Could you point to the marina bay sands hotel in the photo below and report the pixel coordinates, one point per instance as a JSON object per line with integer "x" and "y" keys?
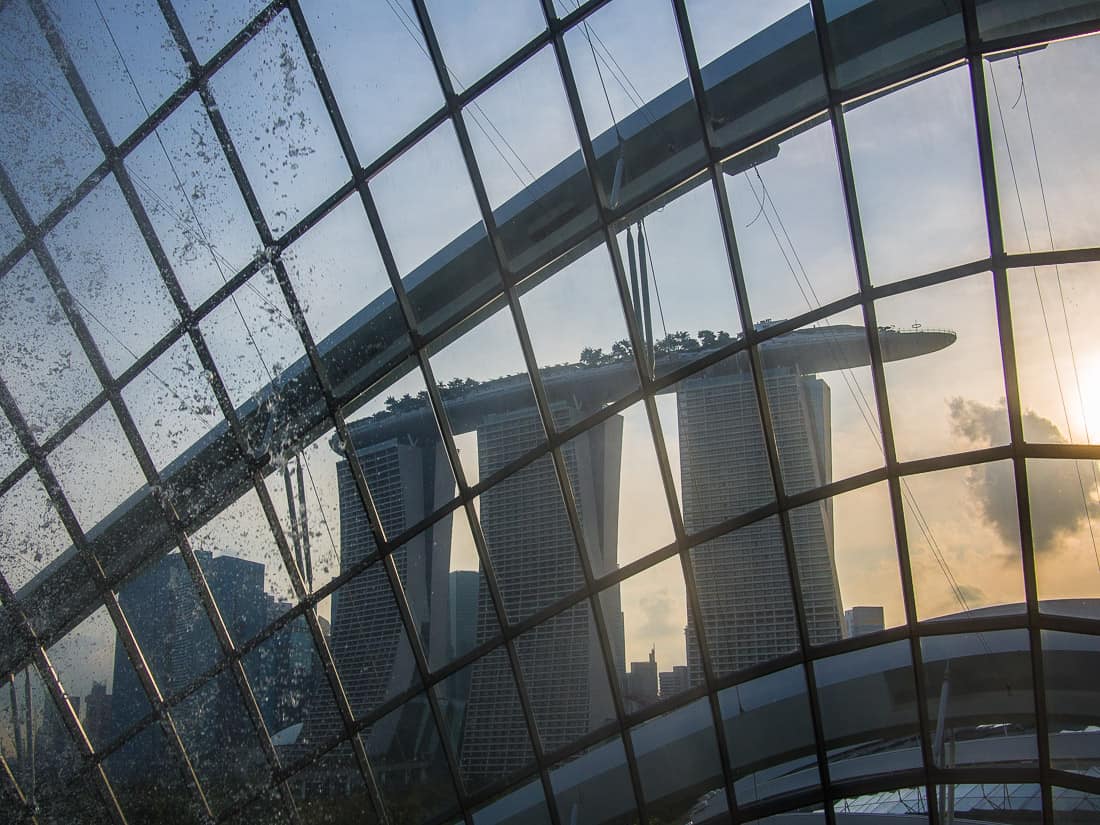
{"x": 741, "y": 578}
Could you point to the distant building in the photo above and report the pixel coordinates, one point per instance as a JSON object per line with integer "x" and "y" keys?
{"x": 859, "y": 621}
{"x": 641, "y": 683}
{"x": 97, "y": 713}
{"x": 673, "y": 681}
{"x": 742, "y": 577}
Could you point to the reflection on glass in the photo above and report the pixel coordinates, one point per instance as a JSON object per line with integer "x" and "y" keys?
{"x": 944, "y": 378}
{"x": 223, "y": 744}
{"x": 32, "y": 534}
{"x": 112, "y": 278}
{"x": 760, "y": 65}
{"x": 872, "y": 42}
{"x": 1042, "y": 113}
{"x": 999, "y": 19}
{"x": 770, "y": 735}
{"x": 193, "y": 203}
{"x": 565, "y": 677}
{"x": 915, "y": 162}
{"x": 594, "y": 787}
{"x": 1068, "y": 661}
{"x": 525, "y": 805}
{"x": 36, "y": 340}
{"x": 645, "y": 620}
{"x": 981, "y": 707}
{"x": 147, "y": 778}
{"x": 678, "y": 763}
{"x": 409, "y": 763}
{"x": 964, "y": 540}
{"x": 680, "y": 246}
{"x": 637, "y": 101}
{"x": 526, "y": 146}
{"x": 392, "y": 87}
{"x": 789, "y": 219}
{"x": 912, "y": 802}
{"x": 572, "y": 317}
{"x": 332, "y": 789}
{"x": 744, "y": 588}
{"x": 485, "y": 722}
{"x": 869, "y": 711}
{"x": 1053, "y": 328}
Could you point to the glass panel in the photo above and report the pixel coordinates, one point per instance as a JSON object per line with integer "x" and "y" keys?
{"x": 943, "y": 373}
{"x": 268, "y": 807}
{"x": 1043, "y": 155}
{"x": 744, "y": 589}
{"x": 173, "y": 406}
{"x": 170, "y": 624}
{"x": 222, "y": 742}
{"x": 36, "y": 341}
{"x": 1004, "y": 18}
{"x": 822, "y": 401}
{"x": 760, "y": 63}
{"x": 678, "y": 761}
{"x": 1075, "y": 807}
{"x": 981, "y": 707}
{"x": 526, "y": 805}
{"x": 716, "y": 444}
{"x": 96, "y": 469}
{"x": 789, "y": 215}
{"x": 525, "y": 141}
{"x": 1053, "y": 325}
{"x": 342, "y": 286}
{"x": 594, "y": 787}
{"x": 146, "y": 776}
{"x": 33, "y": 536}
{"x": 11, "y": 453}
{"x": 332, "y": 790}
{"x": 392, "y": 86}
{"x": 699, "y": 311}
{"x": 188, "y": 191}
{"x": 534, "y": 567}
{"x": 874, "y": 41}
{"x": 1063, "y": 500}
{"x": 563, "y": 314}
{"x": 637, "y": 101}
{"x": 1068, "y": 659}
{"x": 211, "y": 24}
{"x": 770, "y": 735}
{"x": 369, "y": 647}
{"x": 869, "y": 711}
{"x": 10, "y": 233}
{"x": 242, "y": 565}
{"x": 645, "y": 619}
{"x": 279, "y": 125}
{"x": 909, "y": 803}
{"x": 618, "y": 490}
{"x": 434, "y": 229}
{"x": 112, "y": 46}
{"x": 89, "y": 660}
{"x": 859, "y": 531}
{"x": 291, "y": 688}
{"x": 254, "y": 342}
{"x": 409, "y": 763}
{"x": 39, "y": 111}
{"x": 915, "y": 162}
{"x": 480, "y": 35}
{"x": 1018, "y": 803}
{"x": 964, "y": 541}
{"x": 565, "y": 677}
{"x": 486, "y": 726}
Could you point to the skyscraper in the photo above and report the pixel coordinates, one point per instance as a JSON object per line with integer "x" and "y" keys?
{"x": 742, "y": 576}
{"x": 534, "y": 554}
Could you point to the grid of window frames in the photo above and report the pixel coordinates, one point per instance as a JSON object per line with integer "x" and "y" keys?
{"x": 382, "y": 386}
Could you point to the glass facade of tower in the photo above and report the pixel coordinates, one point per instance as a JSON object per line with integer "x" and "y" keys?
{"x": 549, "y": 411}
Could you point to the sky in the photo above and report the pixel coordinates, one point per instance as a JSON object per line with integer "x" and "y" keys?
{"x": 915, "y": 164}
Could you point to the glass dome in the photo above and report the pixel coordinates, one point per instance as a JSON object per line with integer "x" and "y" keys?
{"x": 627, "y": 411}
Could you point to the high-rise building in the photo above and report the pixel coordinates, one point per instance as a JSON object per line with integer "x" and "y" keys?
{"x": 742, "y": 577}
{"x": 671, "y": 682}
{"x": 859, "y": 621}
{"x": 533, "y": 550}
{"x": 97, "y": 713}
{"x": 641, "y": 683}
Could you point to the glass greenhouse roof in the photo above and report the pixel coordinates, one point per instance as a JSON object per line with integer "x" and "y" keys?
{"x": 545, "y": 411}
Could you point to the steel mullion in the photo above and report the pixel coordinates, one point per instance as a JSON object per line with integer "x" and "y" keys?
{"x": 836, "y": 117}
{"x": 1012, "y": 401}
